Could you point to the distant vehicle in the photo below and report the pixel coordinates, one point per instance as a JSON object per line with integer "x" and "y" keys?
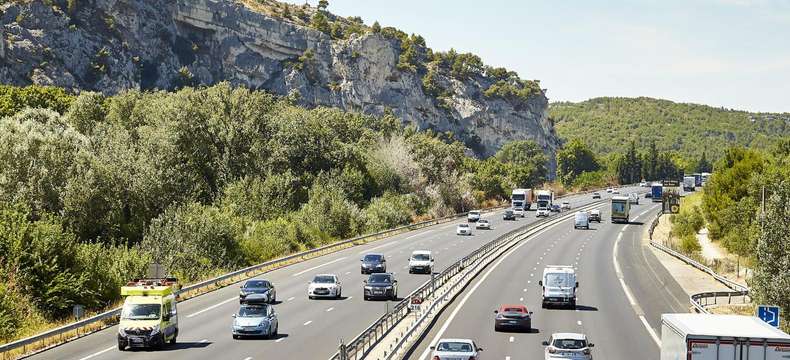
{"x": 609, "y": 190}
{"x": 656, "y": 191}
{"x": 543, "y": 213}
{"x": 463, "y": 229}
{"x": 643, "y": 184}
{"x": 421, "y": 261}
{"x": 581, "y": 221}
{"x": 473, "y": 215}
{"x": 257, "y": 291}
{"x": 455, "y": 349}
{"x": 570, "y": 346}
{"x": 373, "y": 263}
{"x": 556, "y": 208}
{"x": 595, "y": 215}
{"x": 713, "y": 337}
{"x": 483, "y": 224}
{"x": 381, "y": 286}
{"x": 705, "y": 177}
{"x": 648, "y": 195}
{"x": 513, "y": 317}
{"x": 596, "y": 195}
{"x": 566, "y": 205}
{"x": 518, "y": 211}
{"x": 255, "y": 320}
{"x": 509, "y": 215}
{"x": 698, "y": 179}
{"x": 559, "y": 286}
{"x": 633, "y": 198}
{"x": 324, "y": 285}
{"x": 545, "y": 198}
{"x": 521, "y": 198}
{"x": 621, "y": 209}
{"x": 688, "y": 183}
{"x": 615, "y": 190}
{"x": 148, "y": 316}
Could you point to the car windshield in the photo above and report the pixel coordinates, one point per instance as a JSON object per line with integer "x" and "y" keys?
{"x": 474, "y": 213}
{"x": 372, "y": 258}
{"x": 323, "y": 279}
{"x": 483, "y": 222}
{"x": 569, "y": 344}
{"x": 141, "y": 311}
{"x": 421, "y": 257}
{"x": 253, "y": 311}
{"x": 256, "y": 284}
{"x": 559, "y": 280}
{"x": 581, "y": 216}
{"x": 519, "y": 209}
{"x": 618, "y": 207}
{"x": 379, "y": 278}
{"x": 513, "y": 310}
{"x": 454, "y": 347}
{"x": 463, "y": 225}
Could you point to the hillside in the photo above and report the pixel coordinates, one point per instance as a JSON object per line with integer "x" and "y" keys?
{"x": 608, "y": 125}
{"x": 307, "y": 54}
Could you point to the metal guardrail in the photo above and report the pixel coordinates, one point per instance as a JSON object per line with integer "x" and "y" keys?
{"x": 361, "y": 345}
{"x": 701, "y": 300}
{"x": 110, "y": 316}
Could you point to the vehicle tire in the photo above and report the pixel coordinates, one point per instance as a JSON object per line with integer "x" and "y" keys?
{"x": 274, "y": 299}
{"x": 276, "y": 329}
{"x": 497, "y": 328}
{"x": 365, "y": 298}
{"x": 173, "y": 340}
{"x": 121, "y": 346}
{"x": 310, "y": 297}
{"x": 410, "y": 271}
{"x": 235, "y": 337}
{"x": 543, "y": 305}
{"x": 573, "y": 304}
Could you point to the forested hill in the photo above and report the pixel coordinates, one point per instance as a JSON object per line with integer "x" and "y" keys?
{"x": 608, "y": 124}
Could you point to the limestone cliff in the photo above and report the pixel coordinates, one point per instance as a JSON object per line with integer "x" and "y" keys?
{"x": 113, "y": 45}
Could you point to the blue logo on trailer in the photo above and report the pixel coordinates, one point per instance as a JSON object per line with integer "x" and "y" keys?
{"x": 769, "y": 314}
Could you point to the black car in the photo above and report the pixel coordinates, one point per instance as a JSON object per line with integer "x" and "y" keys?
{"x": 648, "y": 195}
{"x": 381, "y": 286}
{"x": 258, "y": 291}
{"x": 555, "y": 208}
{"x": 513, "y": 317}
{"x": 509, "y": 215}
{"x": 373, "y": 263}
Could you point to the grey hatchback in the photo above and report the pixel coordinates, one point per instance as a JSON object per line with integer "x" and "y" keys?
{"x": 255, "y": 320}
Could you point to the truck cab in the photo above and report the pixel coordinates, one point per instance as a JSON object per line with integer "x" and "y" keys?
{"x": 559, "y": 286}
{"x": 149, "y": 316}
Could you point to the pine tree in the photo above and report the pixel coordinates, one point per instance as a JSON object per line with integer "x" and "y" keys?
{"x": 703, "y": 165}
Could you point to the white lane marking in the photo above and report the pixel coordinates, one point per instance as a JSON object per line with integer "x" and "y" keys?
{"x": 330, "y": 309}
{"x": 512, "y": 339}
{"x": 290, "y": 298}
{"x": 213, "y": 307}
{"x": 280, "y": 339}
{"x": 349, "y": 272}
{"x": 248, "y": 358}
{"x": 379, "y": 247}
{"x": 579, "y": 323}
{"x": 204, "y": 341}
{"x": 319, "y": 266}
{"x": 531, "y": 275}
{"x": 98, "y": 353}
{"x": 349, "y": 298}
{"x": 650, "y": 330}
{"x": 471, "y": 292}
{"x": 416, "y": 235}
{"x": 507, "y": 357}
{"x": 521, "y": 300}
{"x": 525, "y": 289}
{"x": 308, "y": 322}
{"x": 529, "y": 281}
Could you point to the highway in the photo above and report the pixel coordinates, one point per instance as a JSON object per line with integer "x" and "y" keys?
{"x": 623, "y": 324}
{"x": 312, "y": 329}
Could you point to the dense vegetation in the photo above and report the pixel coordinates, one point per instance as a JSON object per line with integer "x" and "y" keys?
{"x": 207, "y": 180}
{"x": 611, "y": 124}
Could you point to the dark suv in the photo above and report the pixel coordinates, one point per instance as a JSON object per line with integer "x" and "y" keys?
{"x": 257, "y": 291}
{"x": 373, "y": 263}
{"x": 509, "y": 215}
{"x": 381, "y": 286}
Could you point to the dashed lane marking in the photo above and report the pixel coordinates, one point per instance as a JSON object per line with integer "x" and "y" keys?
{"x": 213, "y": 307}
{"x": 98, "y": 353}
{"x": 308, "y": 323}
{"x": 330, "y": 309}
{"x": 512, "y": 339}
{"x": 318, "y": 266}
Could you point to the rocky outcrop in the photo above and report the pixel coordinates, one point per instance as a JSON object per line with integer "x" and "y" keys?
{"x": 113, "y": 45}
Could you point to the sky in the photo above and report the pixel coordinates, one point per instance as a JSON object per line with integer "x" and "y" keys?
{"x": 723, "y": 53}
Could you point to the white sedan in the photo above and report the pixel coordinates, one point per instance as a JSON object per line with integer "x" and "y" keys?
{"x": 568, "y": 346}
{"x": 463, "y": 229}
{"x": 324, "y": 285}
{"x": 483, "y": 224}
{"x": 451, "y": 349}
{"x": 566, "y": 205}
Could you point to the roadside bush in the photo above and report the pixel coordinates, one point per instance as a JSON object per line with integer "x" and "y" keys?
{"x": 329, "y": 211}
{"x": 266, "y": 240}
{"x": 687, "y": 223}
{"x": 388, "y": 211}
{"x": 14, "y": 99}
{"x": 264, "y": 198}
{"x": 193, "y": 240}
{"x": 11, "y": 314}
{"x": 689, "y": 244}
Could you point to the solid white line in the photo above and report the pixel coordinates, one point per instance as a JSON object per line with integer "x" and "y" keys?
{"x": 308, "y": 323}
{"x": 290, "y": 298}
{"x": 466, "y": 297}
{"x": 650, "y": 330}
{"x": 213, "y": 307}
{"x": 98, "y": 353}
{"x": 319, "y": 266}
{"x": 280, "y": 339}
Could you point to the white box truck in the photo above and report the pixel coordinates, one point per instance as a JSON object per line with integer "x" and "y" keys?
{"x": 688, "y": 183}
{"x": 621, "y": 209}
{"x": 719, "y": 337}
{"x": 521, "y": 198}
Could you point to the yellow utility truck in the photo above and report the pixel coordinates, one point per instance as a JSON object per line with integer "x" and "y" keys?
{"x": 149, "y": 317}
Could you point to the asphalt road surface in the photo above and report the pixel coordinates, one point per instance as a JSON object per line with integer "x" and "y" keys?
{"x": 623, "y": 324}
{"x": 312, "y": 329}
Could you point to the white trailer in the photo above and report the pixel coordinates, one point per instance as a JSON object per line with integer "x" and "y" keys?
{"x": 688, "y": 183}
{"x": 521, "y": 198}
{"x": 721, "y": 337}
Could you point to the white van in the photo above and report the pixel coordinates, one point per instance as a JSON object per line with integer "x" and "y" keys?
{"x": 559, "y": 286}
{"x": 421, "y": 261}
{"x": 582, "y": 220}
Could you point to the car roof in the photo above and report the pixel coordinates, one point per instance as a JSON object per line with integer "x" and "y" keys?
{"x": 572, "y": 336}
{"x": 317, "y": 275}
{"x": 374, "y": 253}
{"x": 558, "y": 269}
{"x": 463, "y": 224}
{"x": 483, "y": 220}
{"x": 455, "y": 340}
{"x": 474, "y": 211}
{"x": 418, "y": 252}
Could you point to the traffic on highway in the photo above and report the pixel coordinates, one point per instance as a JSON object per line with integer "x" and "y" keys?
{"x": 320, "y": 301}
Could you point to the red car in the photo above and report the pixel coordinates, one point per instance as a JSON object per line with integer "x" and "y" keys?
{"x": 513, "y": 317}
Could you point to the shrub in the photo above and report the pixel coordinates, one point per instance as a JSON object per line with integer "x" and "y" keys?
{"x": 264, "y": 198}
{"x": 329, "y": 211}
{"x": 14, "y": 99}
{"x": 266, "y": 240}
{"x": 689, "y": 244}
{"x": 388, "y": 211}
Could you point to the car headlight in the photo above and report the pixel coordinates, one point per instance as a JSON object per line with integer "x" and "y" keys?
{"x": 121, "y": 332}
{"x": 242, "y": 293}
{"x": 368, "y": 288}
{"x": 388, "y": 288}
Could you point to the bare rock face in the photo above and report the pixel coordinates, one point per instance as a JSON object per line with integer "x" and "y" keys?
{"x": 114, "y": 45}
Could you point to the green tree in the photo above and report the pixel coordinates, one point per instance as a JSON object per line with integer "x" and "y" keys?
{"x": 703, "y": 165}
{"x": 629, "y": 167}
{"x": 319, "y": 22}
{"x": 14, "y": 99}
{"x": 573, "y": 159}
{"x": 376, "y": 27}
{"x": 526, "y": 163}
{"x": 323, "y": 5}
